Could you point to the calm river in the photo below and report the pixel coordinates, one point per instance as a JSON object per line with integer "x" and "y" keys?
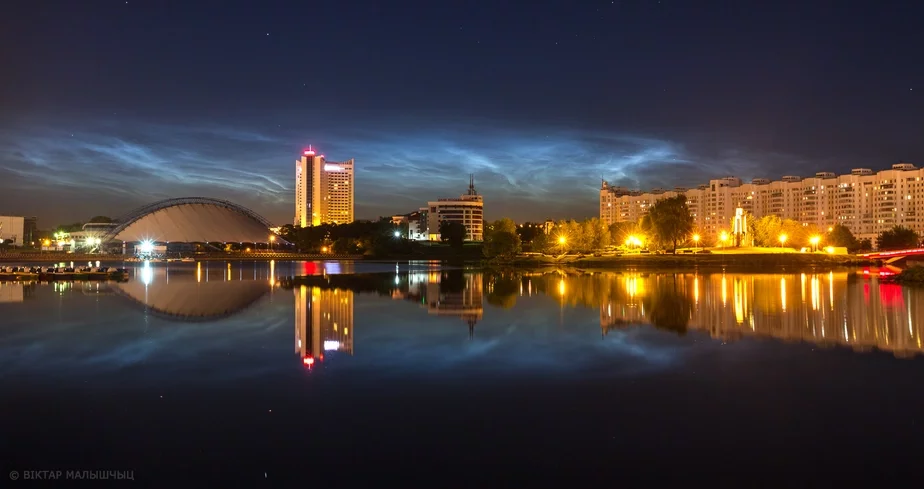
{"x": 413, "y": 375}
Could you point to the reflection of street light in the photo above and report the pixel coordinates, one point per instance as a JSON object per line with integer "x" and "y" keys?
{"x": 783, "y": 239}
{"x": 695, "y": 241}
{"x": 814, "y": 240}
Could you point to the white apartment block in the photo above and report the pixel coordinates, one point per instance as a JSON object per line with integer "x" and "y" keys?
{"x": 866, "y": 202}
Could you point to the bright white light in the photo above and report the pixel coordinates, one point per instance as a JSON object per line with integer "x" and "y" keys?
{"x": 146, "y": 246}
{"x": 329, "y": 167}
{"x": 331, "y": 345}
{"x": 397, "y": 234}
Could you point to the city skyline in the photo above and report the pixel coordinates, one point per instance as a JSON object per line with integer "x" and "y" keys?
{"x": 199, "y": 104}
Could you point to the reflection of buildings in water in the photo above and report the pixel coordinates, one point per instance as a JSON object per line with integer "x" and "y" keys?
{"x": 12, "y": 292}
{"x": 447, "y": 296}
{"x": 323, "y": 322}
{"x": 826, "y": 309}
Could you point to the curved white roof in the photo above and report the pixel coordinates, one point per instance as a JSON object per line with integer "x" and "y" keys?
{"x": 195, "y": 222}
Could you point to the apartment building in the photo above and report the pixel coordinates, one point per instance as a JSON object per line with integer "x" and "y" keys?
{"x": 866, "y": 202}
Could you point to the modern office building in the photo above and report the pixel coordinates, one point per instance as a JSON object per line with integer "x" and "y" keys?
{"x": 468, "y": 209}
{"x": 323, "y": 190}
{"x": 12, "y": 230}
{"x": 416, "y": 223}
{"x": 866, "y": 202}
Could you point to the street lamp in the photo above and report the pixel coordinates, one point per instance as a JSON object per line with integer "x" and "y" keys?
{"x": 272, "y": 239}
{"x": 783, "y": 239}
{"x": 397, "y": 233}
{"x": 723, "y": 237}
{"x": 814, "y": 240}
{"x": 695, "y": 241}
{"x": 561, "y": 242}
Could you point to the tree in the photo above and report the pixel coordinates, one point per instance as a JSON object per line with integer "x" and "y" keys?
{"x": 897, "y": 238}
{"x": 670, "y": 220}
{"x": 866, "y": 244}
{"x": 452, "y": 232}
{"x": 767, "y": 230}
{"x": 840, "y": 235}
{"x": 347, "y": 246}
{"x": 501, "y": 239}
{"x": 541, "y": 243}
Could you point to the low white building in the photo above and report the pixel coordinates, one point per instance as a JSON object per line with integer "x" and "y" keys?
{"x": 12, "y": 230}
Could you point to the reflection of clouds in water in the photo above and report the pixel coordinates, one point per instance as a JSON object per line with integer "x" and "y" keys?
{"x": 122, "y": 337}
{"x": 406, "y": 341}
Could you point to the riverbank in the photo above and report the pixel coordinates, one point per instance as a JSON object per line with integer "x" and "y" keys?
{"x": 84, "y": 258}
{"x": 913, "y": 275}
{"x": 758, "y": 262}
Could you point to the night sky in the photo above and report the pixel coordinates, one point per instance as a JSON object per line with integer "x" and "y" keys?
{"x": 107, "y": 105}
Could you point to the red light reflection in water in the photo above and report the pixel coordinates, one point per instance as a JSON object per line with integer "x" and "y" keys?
{"x": 890, "y": 295}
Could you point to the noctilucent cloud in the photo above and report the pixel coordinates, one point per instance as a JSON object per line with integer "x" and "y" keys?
{"x": 110, "y": 105}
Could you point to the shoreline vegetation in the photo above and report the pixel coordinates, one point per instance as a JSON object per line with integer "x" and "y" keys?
{"x": 913, "y": 275}
{"x": 738, "y": 261}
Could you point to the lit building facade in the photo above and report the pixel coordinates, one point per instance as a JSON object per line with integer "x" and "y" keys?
{"x": 323, "y": 322}
{"x": 324, "y": 190}
{"x": 12, "y": 230}
{"x": 864, "y": 201}
{"x": 468, "y": 210}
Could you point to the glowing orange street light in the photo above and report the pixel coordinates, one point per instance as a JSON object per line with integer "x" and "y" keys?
{"x": 723, "y": 237}
{"x": 783, "y": 239}
{"x": 814, "y": 240}
{"x": 695, "y": 241}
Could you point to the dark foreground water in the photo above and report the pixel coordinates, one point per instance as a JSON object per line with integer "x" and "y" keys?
{"x": 427, "y": 377}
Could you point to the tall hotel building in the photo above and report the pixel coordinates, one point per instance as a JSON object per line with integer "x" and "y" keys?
{"x": 866, "y": 202}
{"x": 323, "y": 190}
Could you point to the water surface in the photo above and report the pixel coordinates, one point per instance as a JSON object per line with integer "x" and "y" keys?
{"x": 419, "y": 375}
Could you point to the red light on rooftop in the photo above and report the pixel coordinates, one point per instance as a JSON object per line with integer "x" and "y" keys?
{"x": 309, "y": 152}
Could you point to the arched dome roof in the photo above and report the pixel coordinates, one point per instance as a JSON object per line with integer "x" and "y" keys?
{"x": 193, "y": 219}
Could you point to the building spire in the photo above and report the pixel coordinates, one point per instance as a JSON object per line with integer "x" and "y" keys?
{"x": 471, "y": 184}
